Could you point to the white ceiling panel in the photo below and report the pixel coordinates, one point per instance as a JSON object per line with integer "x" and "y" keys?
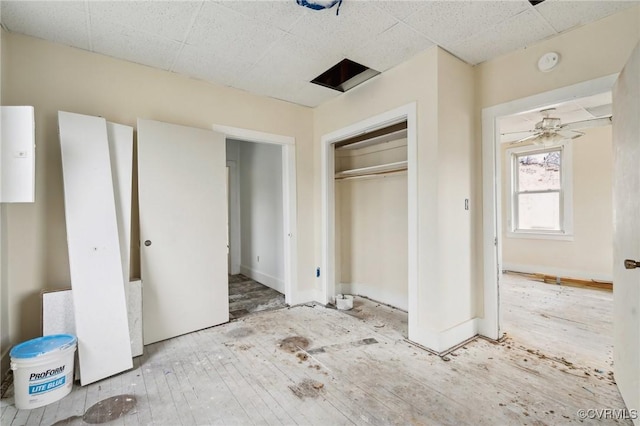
{"x": 54, "y": 21}
{"x": 512, "y": 34}
{"x": 133, "y": 45}
{"x": 392, "y": 47}
{"x": 400, "y": 9}
{"x": 563, "y": 14}
{"x": 231, "y": 33}
{"x": 356, "y": 24}
{"x": 274, "y": 47}
{"x": 202, "y": 64}
{"x": 169, "y": 19}
{"x": 281, "y": 14}
{"x": 448, "y": 22}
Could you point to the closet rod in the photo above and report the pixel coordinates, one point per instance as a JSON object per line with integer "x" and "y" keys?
{"x": 373, "y": 175}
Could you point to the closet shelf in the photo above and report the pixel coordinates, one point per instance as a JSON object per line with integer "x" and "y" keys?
{"x": 373, "y": 170}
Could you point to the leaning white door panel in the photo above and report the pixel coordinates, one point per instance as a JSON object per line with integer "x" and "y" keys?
{"x": 183, "y": 229}
{"x": 626, "y": 237}
{"x": 94, "y": 248}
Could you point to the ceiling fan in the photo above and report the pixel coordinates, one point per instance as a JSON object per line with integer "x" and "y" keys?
{"x": 550, "y": 130}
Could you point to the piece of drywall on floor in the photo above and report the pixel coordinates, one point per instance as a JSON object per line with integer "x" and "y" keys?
{"x": 590, "y": 254}
{"x": 97, "y": 279}
{"x": 372, "y": 226}
{"x": 261, "y": 215}
{"x": 58, "y": 317}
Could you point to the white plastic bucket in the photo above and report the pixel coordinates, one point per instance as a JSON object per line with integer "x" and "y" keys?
{"x": 344, "y": 302}
{"x": 42, "y": 370}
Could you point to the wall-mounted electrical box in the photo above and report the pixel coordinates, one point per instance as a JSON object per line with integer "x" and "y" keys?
{"x": 17, "y": 154}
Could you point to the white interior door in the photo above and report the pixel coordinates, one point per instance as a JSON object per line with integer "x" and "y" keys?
{"x": 626, "y": 238}
{"x": 183, "y": 229}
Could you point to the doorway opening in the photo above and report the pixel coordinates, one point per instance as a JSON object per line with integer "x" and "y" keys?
{"x": 256, "y": 235}
{"x": 262, "y": 220}
{"x": 369, "y": 217}
{"x": 547, "y": 207}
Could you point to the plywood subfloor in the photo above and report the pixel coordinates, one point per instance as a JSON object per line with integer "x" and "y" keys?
{"x": 247, "y": 296}
{"x": 568, "y": 322}
{"x": 311, "y": 365}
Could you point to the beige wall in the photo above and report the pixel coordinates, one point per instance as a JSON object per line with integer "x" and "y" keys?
{"x": 588, "y": 52}
{"x": 442, "y": 87}
{"x": 590, "y": 254}
{"x": 52, "y": 77}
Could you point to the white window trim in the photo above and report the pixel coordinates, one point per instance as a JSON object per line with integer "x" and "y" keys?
{"x": 566, "y": 195}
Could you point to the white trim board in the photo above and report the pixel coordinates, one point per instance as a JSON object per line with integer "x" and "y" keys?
{"x": 266, "y": 279}
{"x": 97, "y": 276}
{"x": 406, "y": 112}
{"x": 289, "y": 199}
{"x": 489, "y": 325}
{"x": 558, "y": 272}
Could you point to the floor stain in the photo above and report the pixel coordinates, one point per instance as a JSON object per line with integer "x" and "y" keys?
{"x": 307, "y": 389}
{"x": 109, "y": 409}
{"x": 240, "y": 332}
{"x": 294, "y": 343}
{"x": 73, "y": 420}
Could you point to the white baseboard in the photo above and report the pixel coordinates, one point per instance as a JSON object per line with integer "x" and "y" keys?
{"x": 558, "y": 272}
{"x": 266, "y": 279}
{"x": 441, "y": 341}
{"x": 375, "y": 293}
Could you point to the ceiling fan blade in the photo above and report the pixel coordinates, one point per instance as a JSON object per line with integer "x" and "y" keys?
{"x": 519, "y": 131}
{"x": 569, "y": 134}
{"x": 586, "y": 124}
{"x": 535, "y": 135}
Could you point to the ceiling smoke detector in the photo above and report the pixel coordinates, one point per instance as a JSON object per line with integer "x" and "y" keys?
{"x": 345, "y": 75}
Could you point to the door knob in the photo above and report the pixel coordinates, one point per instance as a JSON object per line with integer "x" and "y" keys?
{"x": 147, "y": 243}
{"x": 631, "y": 264}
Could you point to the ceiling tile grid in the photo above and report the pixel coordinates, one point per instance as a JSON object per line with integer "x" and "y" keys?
{"x": 55, "y": 21}
{"x": 276, "y": 47}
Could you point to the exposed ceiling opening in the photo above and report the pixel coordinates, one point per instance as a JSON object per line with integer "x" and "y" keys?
{"x": 345, "y": 75}
{"x": 535, "y": 2}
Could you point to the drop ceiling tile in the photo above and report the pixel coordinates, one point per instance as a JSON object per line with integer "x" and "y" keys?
{"x": 309, "y": 94}
{"x": 53, "y": 21}
{"x": 205, "y": 65}
{"x": 386, "y": 50}
{"x": 400, "y": 9}
{"x": 297, "y": 57}
{"x": 517, "y": 32}
{"x": 225, "y": 30}
{"x": 170, "y": 19}
{"x": 356, "y": 24}
{"x": 448, "y": 22}
{"x": 281, "y": 14}
{"x": 563, "y": 15}
{"x": 132, "y": 45}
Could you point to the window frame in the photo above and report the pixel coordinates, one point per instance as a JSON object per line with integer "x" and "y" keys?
{"x": 565, "y": 193}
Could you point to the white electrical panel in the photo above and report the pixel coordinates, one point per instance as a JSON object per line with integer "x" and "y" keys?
{"x": 17, "y": 154}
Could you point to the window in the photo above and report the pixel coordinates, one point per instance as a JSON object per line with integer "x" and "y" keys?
{"x": 540, "y": 189}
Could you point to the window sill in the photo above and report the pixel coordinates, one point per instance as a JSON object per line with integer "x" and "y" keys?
{"x": 540, "y": 236}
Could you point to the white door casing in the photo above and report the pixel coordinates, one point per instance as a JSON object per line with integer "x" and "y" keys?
{"x": 626, "y": 233}
{"x": 183, "y": 229}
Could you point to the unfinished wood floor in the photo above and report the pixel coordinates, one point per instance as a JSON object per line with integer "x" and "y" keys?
{"x": 311, "y": 365}
{"x": 247, "y": 296}
{"x": 571, "y": 323}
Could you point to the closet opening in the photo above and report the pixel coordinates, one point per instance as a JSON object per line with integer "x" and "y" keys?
{"x": 371, "y": 234}
{"x": 369, "y": 200}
